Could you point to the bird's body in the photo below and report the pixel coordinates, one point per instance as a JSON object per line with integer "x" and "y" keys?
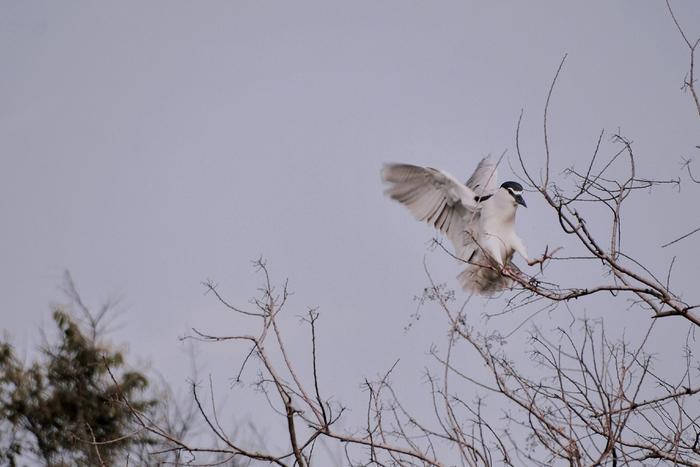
{"x": 478, "y": 217}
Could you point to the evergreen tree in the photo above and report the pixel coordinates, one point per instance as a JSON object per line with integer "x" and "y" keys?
{"x": 69, "y": 407}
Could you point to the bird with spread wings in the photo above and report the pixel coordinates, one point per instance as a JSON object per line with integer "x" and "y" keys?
{"x": 478, "y": 217}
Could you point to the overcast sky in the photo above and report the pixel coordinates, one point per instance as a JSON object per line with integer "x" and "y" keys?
{"x": 148, "y": 146}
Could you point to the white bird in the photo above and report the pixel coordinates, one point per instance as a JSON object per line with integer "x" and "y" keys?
{"x": 478, "y": 217}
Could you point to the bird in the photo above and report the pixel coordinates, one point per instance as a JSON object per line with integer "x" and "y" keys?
{"x": 478, "y": 217}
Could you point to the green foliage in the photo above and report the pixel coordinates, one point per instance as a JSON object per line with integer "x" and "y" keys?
{"x": 66, "y": 408}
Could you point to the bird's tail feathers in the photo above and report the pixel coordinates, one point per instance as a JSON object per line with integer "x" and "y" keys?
{"x": 483, "y": 280}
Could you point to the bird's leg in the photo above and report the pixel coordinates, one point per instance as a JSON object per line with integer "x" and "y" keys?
{"x": 519, "y": 248}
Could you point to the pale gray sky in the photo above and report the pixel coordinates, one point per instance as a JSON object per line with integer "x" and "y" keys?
{"x": 147, "y": 146}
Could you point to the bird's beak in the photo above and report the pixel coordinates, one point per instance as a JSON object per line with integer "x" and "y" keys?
{"x": 519, "y": 199}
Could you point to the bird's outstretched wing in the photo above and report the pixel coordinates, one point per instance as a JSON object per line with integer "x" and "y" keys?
{"x": 435, "y": 197}
{"x": 484, "y": 180}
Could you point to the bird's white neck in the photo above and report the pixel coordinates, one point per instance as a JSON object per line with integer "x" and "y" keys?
{"x": 501, "y": 208}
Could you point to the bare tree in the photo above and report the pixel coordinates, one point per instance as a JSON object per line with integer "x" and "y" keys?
{"x": 588, "y": 400}
{"x": 688, "y": 86}
{"x": 581, "y": 398}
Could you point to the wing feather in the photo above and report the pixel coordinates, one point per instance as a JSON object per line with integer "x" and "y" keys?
{"x": 484, "y": 180}
{"x": 435, "y": 197}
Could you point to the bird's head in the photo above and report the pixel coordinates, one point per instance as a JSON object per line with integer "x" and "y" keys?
{"x": 515, "y": 190}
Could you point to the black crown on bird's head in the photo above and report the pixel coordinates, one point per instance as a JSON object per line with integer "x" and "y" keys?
{"x": 514, "y": 186}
